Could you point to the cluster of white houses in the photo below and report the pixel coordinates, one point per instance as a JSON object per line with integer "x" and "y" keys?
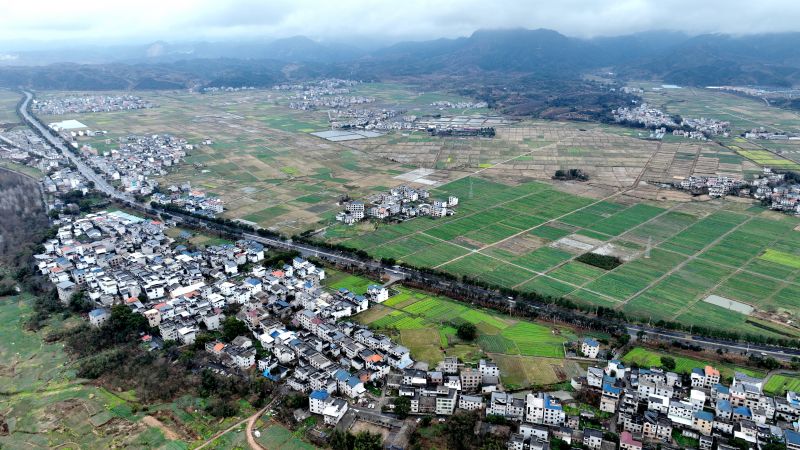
{"x": 719, "y": 186}
{"x": 651, "y": 405}
{"x": 655, "y": 118}
{"x": 402, "y": 202}
{"x": 116, "y": 258}
{"x": 191, "y": 200}
{"x": 779, "y": 193}
{"x": 89, "y": 104}
{"x": 134, "y": 161}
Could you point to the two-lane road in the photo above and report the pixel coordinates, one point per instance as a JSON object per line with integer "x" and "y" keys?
{"x": 56, "y": 141}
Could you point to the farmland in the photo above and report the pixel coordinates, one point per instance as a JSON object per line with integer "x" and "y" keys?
{"x": 277, "y": 437}
{"x": 650, "y": 358}
{"x": 743, "y": 114}
{"x": 778, "y": 384}
{"x": 46, "y": 404}
{"x": 8, "y": 104}
{"x": 527, "y": 236}
{"x": 269, "y": 170}
{"x": 513, "y": 226}
{"x": 527, "y": 352}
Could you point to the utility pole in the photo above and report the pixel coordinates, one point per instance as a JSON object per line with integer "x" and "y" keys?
{"x": 470, "y": 188}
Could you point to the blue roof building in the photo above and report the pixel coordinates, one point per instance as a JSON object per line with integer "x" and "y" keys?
{"x": 611, "y": 390}
{"x": 341, "y": 375}
{"x": 319, "y": 395}
{"x": 550, "y": 404}
{"x": 792, "y": 439}
{"x": 704, "y": 415}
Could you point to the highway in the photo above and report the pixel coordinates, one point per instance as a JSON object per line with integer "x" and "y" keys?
{"x": 99, "y": 183}
{"x": 307, "y": 250}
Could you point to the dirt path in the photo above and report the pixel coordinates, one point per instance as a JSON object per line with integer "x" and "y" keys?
{"x": 251, "y": 440}
{"x": 248, "y": 432}
{"x": 168, "y": 432}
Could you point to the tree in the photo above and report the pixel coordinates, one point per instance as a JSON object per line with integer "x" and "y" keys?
{"x": 491, "y": 442}
{"x": 467, "y": 331}
{"x": 496, "y": 419}
{"x": 368, "y": 441}
{"x": 233, "y": 327}
{"x": 341, "y": 440}
{"x": 668, "y": 362}
{"x": 78, "y": 303}
{"x": 222, "y": 408}
{"x": 459, "y": 426}
{"x": 402, "y": 406}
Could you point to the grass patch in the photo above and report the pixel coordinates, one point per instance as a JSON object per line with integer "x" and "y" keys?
{"x": 782, "y": 258}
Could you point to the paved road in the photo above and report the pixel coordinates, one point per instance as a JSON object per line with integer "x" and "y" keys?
{"x": 307, "y": 250}
{"x": 56, "y": 141}
{"x": 780, "y": 353}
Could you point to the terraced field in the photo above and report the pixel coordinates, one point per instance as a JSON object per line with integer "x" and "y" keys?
{"x": 45, "y": 403}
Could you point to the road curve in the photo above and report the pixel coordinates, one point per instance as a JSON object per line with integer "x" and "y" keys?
{"x": 251, "y": 421}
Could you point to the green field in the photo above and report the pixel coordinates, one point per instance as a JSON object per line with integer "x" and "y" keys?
{"x": 426, "y": 324}
{"x": 778, "y": 384}
{"x": 782, "y": 258}
{"x": 650, "y": 358}
{"x": 8, "y": 106}
{"x": 46, "y": 405}
{"x": 525, "y": 236}
{"x": 278, "y": 437}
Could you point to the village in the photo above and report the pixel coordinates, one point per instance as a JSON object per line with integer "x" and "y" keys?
{"x": 444, "y": 104}
{"x": 90, "y": 104}
{"x": 300, "y": 336}
{"x": 132, "y": 164}
{"x": 662, "y": 123}
{"x": 136, "y": 160}
{"x": 402, "y": 202}
{"x": 191, "y": 200}
{"x": 762, "y": 133}
{"x": 777, "y": 191}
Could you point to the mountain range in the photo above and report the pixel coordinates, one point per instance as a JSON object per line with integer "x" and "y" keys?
{"x": 710, "y": 59}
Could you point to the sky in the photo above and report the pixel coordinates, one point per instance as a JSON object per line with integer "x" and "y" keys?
{"x": 100, "y": 22}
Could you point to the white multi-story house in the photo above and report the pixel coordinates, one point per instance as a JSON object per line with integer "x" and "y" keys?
{"x": 543, "y": 409}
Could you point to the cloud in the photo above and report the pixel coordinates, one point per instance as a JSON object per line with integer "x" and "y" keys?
{"x": 93, "y": 21}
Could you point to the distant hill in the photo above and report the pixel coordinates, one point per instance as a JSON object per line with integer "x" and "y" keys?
{"x": 769, "y": 59}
